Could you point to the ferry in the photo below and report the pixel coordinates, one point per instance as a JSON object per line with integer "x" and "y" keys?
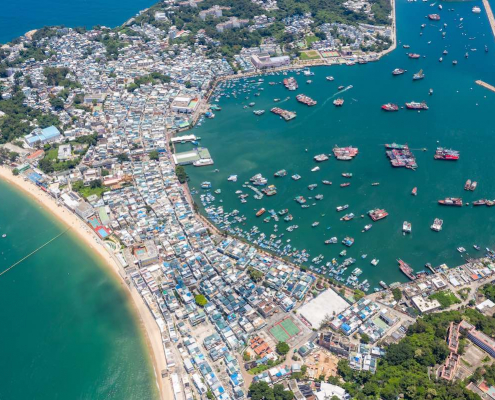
{"x": 398, "y": 71}
{"x": 437, "y": 225}
{"x": 390, "y": 107}
{"x": 260, "y": 212}
{"x": 451, "y": 201}
{"x": 338, "y": 102}
{"x": 414, "y": 192}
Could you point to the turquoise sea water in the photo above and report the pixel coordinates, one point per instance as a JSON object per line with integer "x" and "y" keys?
{"x": 460, "y": 117}
{"x": 18, "y": 17}
{"x": 67, "y": 329}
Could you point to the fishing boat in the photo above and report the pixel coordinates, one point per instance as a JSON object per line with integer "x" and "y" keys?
{"x": 406, "y": 269}
{"x": 281, "y": 173}
{"x": 473, "y": 186}
{"x": 342, "y": 208}
{"x": 258, "y": 112}
{"x": 377, "y": 214}
{"x": 390, "y": 107}
{"x": 325, "y": 182}
{"x": 367, "y": 227}
{"x": 467, "y": 185}
{"x": 260, "y": 212}
{"x": 338, "y": 102}
{"x": 296, "y": 177}
{"x": 398, "y": 71}
{"x": 414, "y": 56}
{"x": 375, "y": 262}
{"x": 437, "y": 225}
{"x": 406, "y": 227}
{"x": 451, "y": 201}
{"x": 419, "y": 75}
{"x": 206, "y": 185}
{"x": 347, "y": 217}
{"x": 348, "y": 241}
{"x": 347, "y": 175}
{"x": 416, "y": 106}
{"x": 345, "y": 184}
{"x": 332, "y": 240}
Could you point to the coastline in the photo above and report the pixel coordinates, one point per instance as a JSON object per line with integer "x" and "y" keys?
{"x": 148, "y": 327}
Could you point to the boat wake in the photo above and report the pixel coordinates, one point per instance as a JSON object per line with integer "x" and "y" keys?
{"x": 336, "y": 94}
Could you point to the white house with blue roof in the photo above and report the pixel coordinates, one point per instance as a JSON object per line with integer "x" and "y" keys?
{"x": 43, "y": 136}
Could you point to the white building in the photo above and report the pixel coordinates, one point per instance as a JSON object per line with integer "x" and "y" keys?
{"x": 262, "y": 61}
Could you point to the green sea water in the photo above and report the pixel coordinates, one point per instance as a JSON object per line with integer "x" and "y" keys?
{"x": 460, "y": 116}
{"x": 67, "y": 329}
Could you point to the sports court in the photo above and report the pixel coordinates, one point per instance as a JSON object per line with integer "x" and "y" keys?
{"x": 284, "y": 330}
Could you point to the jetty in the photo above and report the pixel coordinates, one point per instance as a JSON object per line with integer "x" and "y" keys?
{"x": 489, "y": 14}
{"x": 484, "y": 84}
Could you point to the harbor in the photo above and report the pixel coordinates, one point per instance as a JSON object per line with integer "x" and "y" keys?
{"x": 312, "y": 232}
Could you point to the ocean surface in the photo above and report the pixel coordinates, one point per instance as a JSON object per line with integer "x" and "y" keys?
{"x": 20, "y": 16}
{"x": 460, "y": 116}
{"x": 67, "y": 329}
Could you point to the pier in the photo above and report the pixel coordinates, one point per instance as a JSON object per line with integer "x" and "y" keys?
{"x": 489, "y": 14}
{"x": 484, "y": 84}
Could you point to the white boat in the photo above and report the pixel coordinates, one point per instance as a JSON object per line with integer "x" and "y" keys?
{"x": 315, "y": 169}
{"x": 232, "y": 178}
{"x": 375, "y": 262}
{"x": 476, "y": 10}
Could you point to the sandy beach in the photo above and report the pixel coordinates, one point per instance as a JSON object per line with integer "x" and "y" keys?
{"x": 147, "y": 324}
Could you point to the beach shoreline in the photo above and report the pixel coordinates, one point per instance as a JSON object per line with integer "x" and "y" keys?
{"x": 148, "y": 327}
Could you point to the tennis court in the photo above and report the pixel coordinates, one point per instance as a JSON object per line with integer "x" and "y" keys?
{"x": 284, "y": 330}
{"x": 278, "y": 333}
{"x": 290, "y": 327}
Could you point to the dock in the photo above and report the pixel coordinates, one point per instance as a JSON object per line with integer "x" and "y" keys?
{"x": 484, "y": 84}
{"x": 489, "y": 14}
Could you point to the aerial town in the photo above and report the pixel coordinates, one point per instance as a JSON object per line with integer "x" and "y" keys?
{"x": 235, "y": 321}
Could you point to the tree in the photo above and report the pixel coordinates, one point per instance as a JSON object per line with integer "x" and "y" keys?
{"x": 210, "y": 395}
{"x": 262, "y": 391}
{"x": 57, "y": 103}
{"x": 282, "y": 348}
{"x": 95, "y": 184}
{"x": 46, "y": 166}
{"x": 365, "y": 338}
{"x": 396, "y": 292}
{"x": 15, "y": 172}
{"x": 200, "y": 300}
{"x": 154, "y": 155}
{"x": 123, "y": 157}
{"x": 181, "y": 174}
{"x": 255, "y": 275}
